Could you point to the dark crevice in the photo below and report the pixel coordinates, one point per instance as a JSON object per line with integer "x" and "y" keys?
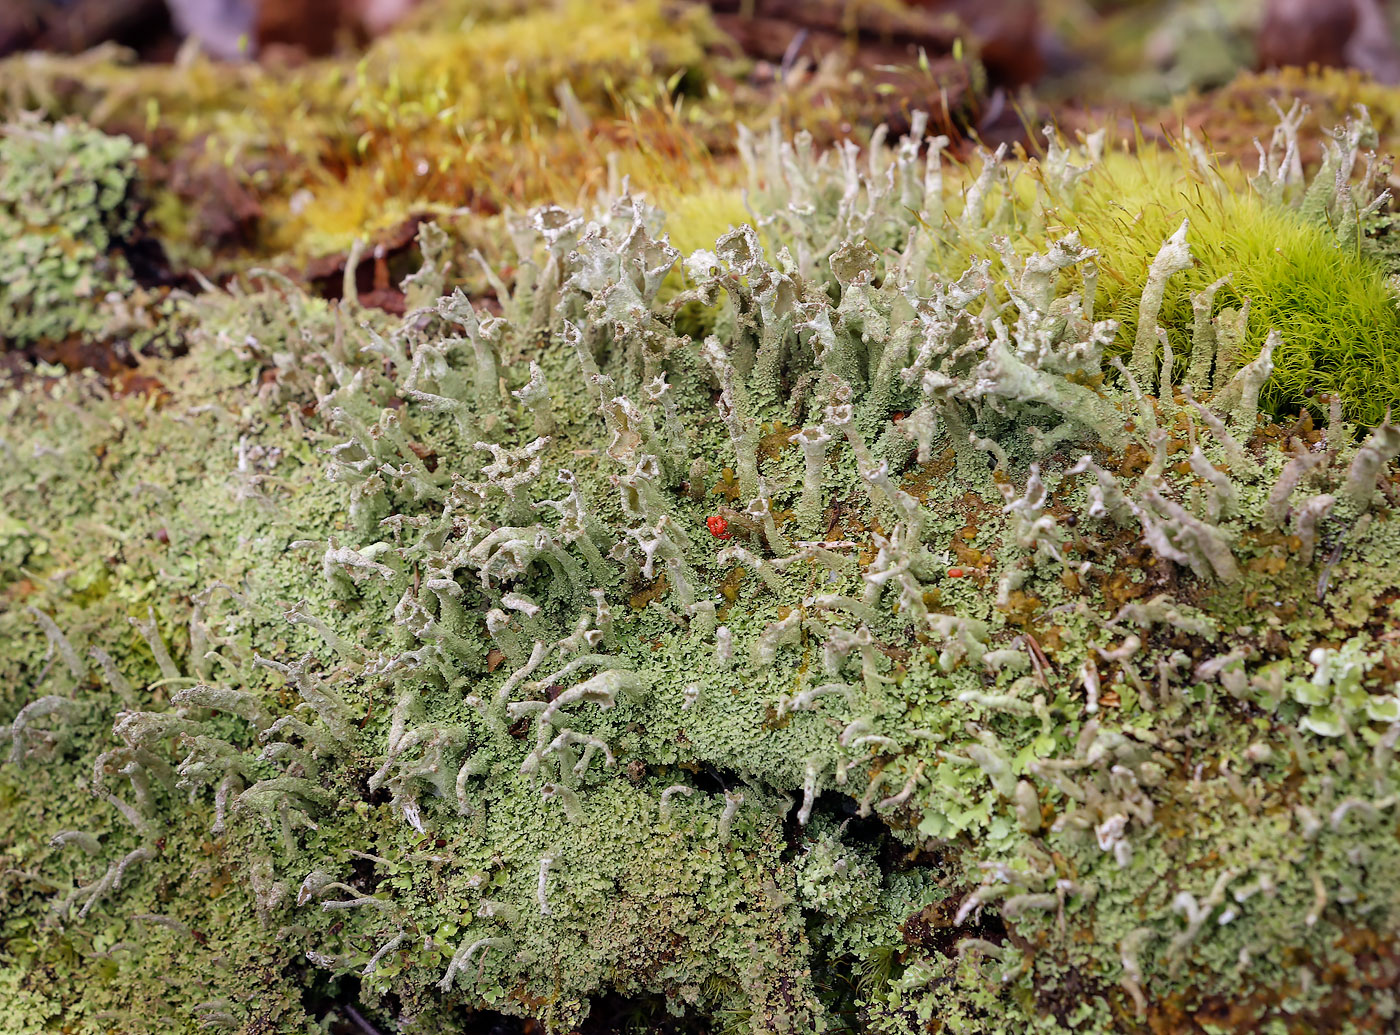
{"x": 869, "y": 831}
{"x": 376, "y": 797}
{"x": 363, "y": 875}
{"x": 933, "y": 928}
{"x": 337, "y": 1003}
{"x": 711, "y": 779}
{"x": 616, "y": 1014}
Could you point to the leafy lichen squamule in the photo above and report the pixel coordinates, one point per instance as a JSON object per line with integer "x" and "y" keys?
{"x": 66, "y": 201}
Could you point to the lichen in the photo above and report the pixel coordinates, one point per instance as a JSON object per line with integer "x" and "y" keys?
{"x": 66, "y": 206}
{"x": 1015, "y": 687}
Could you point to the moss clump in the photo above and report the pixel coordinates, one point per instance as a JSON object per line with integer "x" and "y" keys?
{"x": 1332, "y": 302}
{"x": 66, "y": 206}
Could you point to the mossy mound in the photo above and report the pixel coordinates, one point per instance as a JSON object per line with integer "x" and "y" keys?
{"x": 828, "y": 636}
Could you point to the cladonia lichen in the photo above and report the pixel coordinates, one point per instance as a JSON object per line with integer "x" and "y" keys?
{"x": 883, "y": 657}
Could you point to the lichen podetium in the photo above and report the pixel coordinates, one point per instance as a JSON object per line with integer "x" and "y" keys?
{"x": 822, "y": 630}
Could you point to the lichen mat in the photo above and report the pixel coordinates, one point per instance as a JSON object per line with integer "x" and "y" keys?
{"x": 1015, "y": 687}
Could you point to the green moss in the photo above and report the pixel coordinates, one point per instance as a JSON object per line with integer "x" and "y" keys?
{"x": 1334, "y": 305}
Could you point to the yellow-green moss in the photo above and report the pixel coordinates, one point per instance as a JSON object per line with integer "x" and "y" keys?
{"x": 1334, "y": 306}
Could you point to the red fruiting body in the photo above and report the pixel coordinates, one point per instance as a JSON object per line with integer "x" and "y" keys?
{"x": 955, "y": 573}
{"x": 719, "y": 528}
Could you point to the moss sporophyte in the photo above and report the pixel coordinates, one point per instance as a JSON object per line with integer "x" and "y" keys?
{"x": 923, "y": 607}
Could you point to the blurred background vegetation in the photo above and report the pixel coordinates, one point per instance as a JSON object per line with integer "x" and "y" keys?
{"x": 286, "y": 130}
{"x": 312, "y": 135}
